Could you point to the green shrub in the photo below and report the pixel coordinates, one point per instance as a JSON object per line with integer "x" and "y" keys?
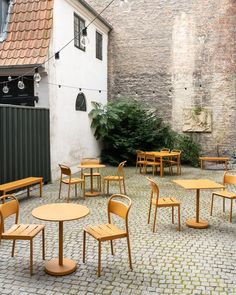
{"x": 125, "y": 126}
{"x": 190, "y": 150}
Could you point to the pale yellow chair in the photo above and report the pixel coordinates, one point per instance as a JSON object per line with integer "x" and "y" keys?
{"x": 96, "y": 174}
{"x": 65, "y": 170}
{"x": 120, "y": 177}
{"x": 166, "y": 160}
{"x": 150, "y": 161}
{"x": 228, "y": 179}
{"x": 175, "y": 161}
{"x": 109, "y": 231}
{"x": 140, "y": 160}
{"x": 10, "y": 206}
{"x": 161, "y": 202}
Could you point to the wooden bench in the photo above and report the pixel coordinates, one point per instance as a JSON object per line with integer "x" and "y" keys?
{"x": 214, "y": 159}
{"x": 25, "y": 182}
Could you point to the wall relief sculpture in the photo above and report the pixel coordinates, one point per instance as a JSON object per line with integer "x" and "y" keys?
{"x": 197, "y": 119}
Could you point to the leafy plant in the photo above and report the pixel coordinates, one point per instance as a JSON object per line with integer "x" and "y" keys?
{"x": 125, "y": 126}
{"x": 190, "y": 150}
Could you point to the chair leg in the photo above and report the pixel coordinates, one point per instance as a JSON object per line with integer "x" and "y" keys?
{"x": 112, "y": 251}
{"x": 13, "y": 248}
{"x": 155, "y": 217}
{"x": 43, "y": 244}
{"x": 120, "y": 186}
{"x": 129, "y": 253}
{"x": 224, "y": 205}
{"x": 107, "y": 186}
{"x": 99, "y": 258}
{"x": 149, "y": 213}
{"x": 83, "y": 188}
{"x": 212, "y": 200}
{"x": 173, "y": 216}
{"x": 84, "y": 246}
{"x": 124, "y": 186}
{"x": 231, "y": 210}
{"x": 31, "y": 257}
{"x": 59, "y": 191}
{"x": 76, "y": 190}
{"x": 179, "y": 217}
{"x": 68, "y": 197}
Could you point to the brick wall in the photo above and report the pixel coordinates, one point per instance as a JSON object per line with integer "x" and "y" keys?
{"x": 173, "y": 54}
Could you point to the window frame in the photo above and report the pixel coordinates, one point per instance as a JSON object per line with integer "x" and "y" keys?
{"x": 99, "y": 51}
{"x": 77, "y": 30}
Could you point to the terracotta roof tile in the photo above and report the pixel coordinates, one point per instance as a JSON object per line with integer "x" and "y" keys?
{"x": 29, "y": 32}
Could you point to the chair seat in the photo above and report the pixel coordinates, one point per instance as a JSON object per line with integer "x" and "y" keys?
{"x": 113, "y": 177}
{"x": 72, "y": 181}
{"x": 104, "y": 232}
{"x": 23, "y": 231}
{"x": 225, "y": 194}
{"x": 166, "y": 202}
{"x": 152, "y": 163}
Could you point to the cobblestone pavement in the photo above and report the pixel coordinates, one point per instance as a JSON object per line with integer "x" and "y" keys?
{"x": 166, "y": 262}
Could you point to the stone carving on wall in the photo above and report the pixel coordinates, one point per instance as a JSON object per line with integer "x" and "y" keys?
{"x": 197, "y": 119}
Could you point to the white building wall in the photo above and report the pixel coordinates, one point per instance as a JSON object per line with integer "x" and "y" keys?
{"x": 71, "y": 136}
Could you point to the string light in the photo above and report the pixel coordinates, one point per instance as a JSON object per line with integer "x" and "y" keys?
{"x": 21, "y": 84}
{"x": 9, "y": 78}
{"x": 37, "y": 77}
{"x": 5, "y": 89}
{"x": 84, "y": 39}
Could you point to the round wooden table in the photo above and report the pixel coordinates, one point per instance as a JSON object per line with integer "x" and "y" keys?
{"x": 60, "y": 212}
{"x": 92, "y": 192}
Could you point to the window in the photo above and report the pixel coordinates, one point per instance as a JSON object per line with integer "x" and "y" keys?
{"x": 98, "y": 45}
{"x": 80, "y": 104}
{"x": 79, "y": 24}
{"x": 4, "y": 4}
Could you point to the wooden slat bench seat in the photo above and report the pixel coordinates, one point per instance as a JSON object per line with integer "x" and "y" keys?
{"x": 214, "y": 159}
{"x": 25, "y": 182}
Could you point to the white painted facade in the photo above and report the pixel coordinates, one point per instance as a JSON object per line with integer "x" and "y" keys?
{"x": 70, "y": 133}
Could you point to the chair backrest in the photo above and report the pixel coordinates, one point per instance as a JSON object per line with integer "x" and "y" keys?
{"x": 165, "y": 150}
{"x": 8, "y": 208}
{"x": 65, "y": 170}
{"x": 119, "y": 207}
{"x": 229, "y": 178}
{"x": 176, "y": 151}
{"x": 150, "y": 157}
{"x": 154, "y": 189}
{"x": 90, "y": 161}
{"x": 140, "y": 155}
{"x": 120, "y": 169}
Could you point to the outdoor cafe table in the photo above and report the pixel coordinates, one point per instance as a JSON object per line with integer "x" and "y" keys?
{"x": 197, "y": 184}
{"x": 60, "y": 212}
{"x": 91, "y": 166}
{"x": 161, "y": 155}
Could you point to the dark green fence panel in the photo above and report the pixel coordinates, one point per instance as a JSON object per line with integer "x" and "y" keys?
{"x": 24, "y": 143}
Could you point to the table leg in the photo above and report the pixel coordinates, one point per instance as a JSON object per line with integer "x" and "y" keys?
{"x": 92, "y": 193}
{"x": 161, "y": 167}
{"x": 197, "y": 223}
{"x": 60, "y": 266}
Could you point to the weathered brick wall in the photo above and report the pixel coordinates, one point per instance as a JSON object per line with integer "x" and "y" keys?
{"x": 173, "y": 54}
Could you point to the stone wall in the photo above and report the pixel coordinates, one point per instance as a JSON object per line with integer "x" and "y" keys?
{"x": 177, "y": 54}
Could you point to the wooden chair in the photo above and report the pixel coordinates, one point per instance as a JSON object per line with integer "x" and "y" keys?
{"x": 165, "y": 150}
{"x": 228, "y": 179}
{"x": 161, "y": 202}
{"x": 140, "y": 160}
{"x": 88, "y": 174}
{"x": 166, "y": 160}
{"x": 109, "y": 231}
{"x": 65, "y": 170}
{"x": 120, "y": 177}
{"x": 18, "y": 231}
{"x": 150, "y": 160}
{"x": 176, "y": 160}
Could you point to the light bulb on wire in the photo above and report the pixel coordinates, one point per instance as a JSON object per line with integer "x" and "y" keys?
{"x": 9, "y": 78}
{"x": 37, "y": 77}
{"x": 125, "y": 5}
{"x": 84, "y": 39}
{"x": 21, "y": 84}
{"x": 5, "y": 89}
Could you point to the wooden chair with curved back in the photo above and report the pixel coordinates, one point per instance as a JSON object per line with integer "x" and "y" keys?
{"x": 175, "y": 161}
{"x": 161, "y": 202}
{"x": 109, "y": 231}
{"x": 228, "y": 179}
{"x": 166, "y": 160}
{"x": 18, "y": 231}
{"x": 140, "y": 160}
{"x": 96, "y": 174}
{"x": 150, "y": 160}
{"x": 120, "y": 177}
{"x": 65, "y": 170}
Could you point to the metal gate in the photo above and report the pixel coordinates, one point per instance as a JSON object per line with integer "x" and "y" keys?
{"x": 24, "y": 143}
